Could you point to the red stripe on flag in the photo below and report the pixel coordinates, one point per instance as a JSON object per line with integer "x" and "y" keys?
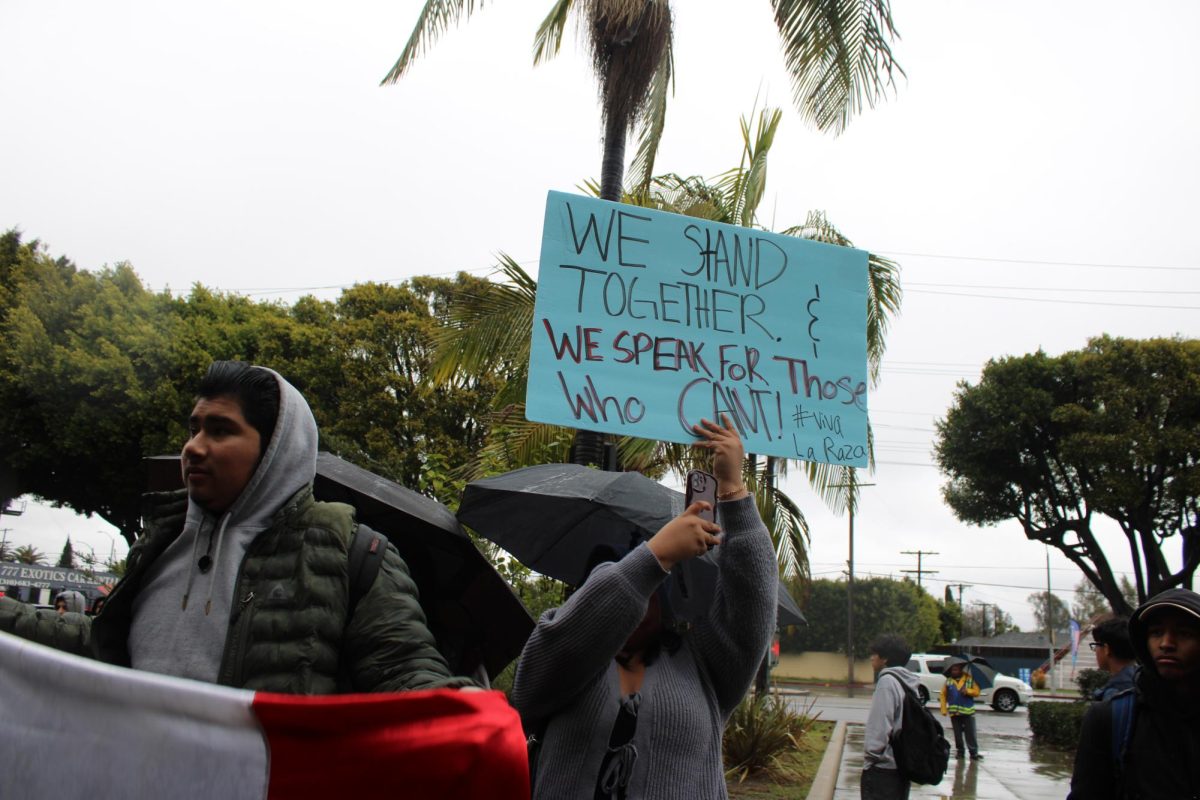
{"x": 434, "y": 744}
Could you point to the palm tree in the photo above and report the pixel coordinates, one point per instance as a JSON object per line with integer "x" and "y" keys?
{"x": 489, "y": 334}
{"x": 837, "y": 52}
{"x": 28, "y": 554}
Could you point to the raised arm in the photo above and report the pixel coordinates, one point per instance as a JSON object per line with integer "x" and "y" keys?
{"x": 733, "y": 640}
{"x": 574, "y": 643}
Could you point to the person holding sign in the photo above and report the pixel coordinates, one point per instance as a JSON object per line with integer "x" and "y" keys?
{"x": 623, "y": 705}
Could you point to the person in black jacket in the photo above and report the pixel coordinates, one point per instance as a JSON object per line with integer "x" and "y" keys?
{"x": 1155, "y": 750}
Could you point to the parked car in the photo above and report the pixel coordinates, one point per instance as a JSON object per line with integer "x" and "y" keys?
{"x": 1000, "y": 691}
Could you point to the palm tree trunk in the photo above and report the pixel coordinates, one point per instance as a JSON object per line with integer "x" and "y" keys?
{"x": 612, "y": 167}
{"x": 589, "y": 445}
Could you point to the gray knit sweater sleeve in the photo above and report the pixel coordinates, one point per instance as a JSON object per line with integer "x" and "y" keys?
{"x": 576, "y": 642}
{"x": 732, "y": 641}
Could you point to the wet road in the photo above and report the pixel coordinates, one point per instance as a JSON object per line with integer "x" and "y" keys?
{"x": 1012, "y": 768}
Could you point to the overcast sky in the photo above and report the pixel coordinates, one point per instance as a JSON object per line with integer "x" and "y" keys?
{"x": 1034, "y": 175}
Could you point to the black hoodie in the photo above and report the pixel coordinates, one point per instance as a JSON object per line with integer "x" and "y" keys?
{"x": 1163, "y": 755}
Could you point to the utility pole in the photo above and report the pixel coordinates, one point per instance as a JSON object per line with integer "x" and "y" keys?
{"x": 1050, "y": 616}
{"x": 850, "y": 504}
{"x": 962, "y": 610}
{"x": 918, "y": 570}
{"x": 985, "y": 607}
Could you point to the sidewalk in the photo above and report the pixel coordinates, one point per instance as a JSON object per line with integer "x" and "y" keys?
{"x": 1012, "y": 769}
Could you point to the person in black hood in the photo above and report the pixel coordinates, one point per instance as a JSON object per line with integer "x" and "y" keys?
{"x": 1145, "y": 742}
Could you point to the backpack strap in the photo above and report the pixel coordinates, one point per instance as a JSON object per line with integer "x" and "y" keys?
{"x": 365, "y": 556}
{"x": 1122, "y": 707}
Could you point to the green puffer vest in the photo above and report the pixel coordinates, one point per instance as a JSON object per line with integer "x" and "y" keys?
{"x": 288, "y": 630}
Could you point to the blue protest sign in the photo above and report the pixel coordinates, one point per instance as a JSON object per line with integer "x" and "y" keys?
{"x": 645, "y": 322}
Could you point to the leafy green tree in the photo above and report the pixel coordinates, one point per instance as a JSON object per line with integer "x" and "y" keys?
{"x": 28, "y": 554}
{"x": 67, "y": 559}
{"x": 1111, "y": 430}
{"x": 97, "y": 373}
{"x": 84, "y": 382}
{"x": 1054, "y": 610}
{"x": 950, "y": 618}
{"x": 881, "y": 605}
{"x": 838, "y": 54}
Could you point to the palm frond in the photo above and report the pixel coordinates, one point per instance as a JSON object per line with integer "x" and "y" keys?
{"x": 489, "y": 332}
{"x": 839, "y": 485}
{"x": 652, "y": 122}
{"x": 784, "y": 520}
{"x": 549, "y": 36}
{"x": 514, "y": 441}
{"x": 839, "y": 55}
{"x": 754, "y": 183}
{"x": 435, "y": 19}
{"x": 883, "y": 286}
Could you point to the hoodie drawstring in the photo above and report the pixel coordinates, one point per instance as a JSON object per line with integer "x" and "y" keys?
{"x": 216, "y": 560}
{"x": 195, "y": 563}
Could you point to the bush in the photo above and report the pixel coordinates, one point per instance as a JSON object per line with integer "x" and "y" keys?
{"x": 760, "y": 730}
{"x": 1089, "y": 680}
{"x": 1057, "y": 723}
{"x": 1038, "y": 679}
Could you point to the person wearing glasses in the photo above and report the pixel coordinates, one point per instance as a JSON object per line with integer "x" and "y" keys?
{"x": 1114, "y": 654}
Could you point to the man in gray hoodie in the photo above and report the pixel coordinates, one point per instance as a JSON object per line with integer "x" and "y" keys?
{"x": 243, "y": 579}
{"x": 881, "y": 779}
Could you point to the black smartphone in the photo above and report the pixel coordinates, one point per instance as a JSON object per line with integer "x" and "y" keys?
{"x": 702, "y": 486}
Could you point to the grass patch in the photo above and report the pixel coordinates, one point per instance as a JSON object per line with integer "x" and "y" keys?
{"x": 799, "y": 765}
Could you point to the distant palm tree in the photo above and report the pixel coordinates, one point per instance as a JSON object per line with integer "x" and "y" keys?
{"x": 28, "y": 554}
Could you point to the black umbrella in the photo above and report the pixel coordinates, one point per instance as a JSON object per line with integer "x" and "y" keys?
{"x": 472, "y": 612}
{"x": 552, "y": 517}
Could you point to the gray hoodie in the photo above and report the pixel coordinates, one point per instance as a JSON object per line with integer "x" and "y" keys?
{"x": 74, "y": 600}
{"x": 886, "y": 716}
{"x": 181, "y": 615}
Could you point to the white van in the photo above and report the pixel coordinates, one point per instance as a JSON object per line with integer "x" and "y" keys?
{"x": 1003, "y": 694}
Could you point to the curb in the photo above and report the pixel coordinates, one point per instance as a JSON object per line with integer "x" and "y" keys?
{"x": 825, "y": 781}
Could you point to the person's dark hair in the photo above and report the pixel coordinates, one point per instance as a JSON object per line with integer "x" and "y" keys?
{"x": 892, "y": 649}
{"x": 1114, "y": 632}
{"x": 255, "y": 389}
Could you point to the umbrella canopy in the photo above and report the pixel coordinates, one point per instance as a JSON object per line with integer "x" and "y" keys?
{"x": 472, "y": 612}
{"x": 552, "y": 517}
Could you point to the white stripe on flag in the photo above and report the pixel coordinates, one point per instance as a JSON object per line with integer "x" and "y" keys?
{"x": 75, "y": 728}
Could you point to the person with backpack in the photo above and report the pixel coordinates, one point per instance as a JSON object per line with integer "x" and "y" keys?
{"x": 1145, "y": 742}
{"x": 243, "y": 578}
{"x": 882, "y": 778}
{"x": 958, "y": 699}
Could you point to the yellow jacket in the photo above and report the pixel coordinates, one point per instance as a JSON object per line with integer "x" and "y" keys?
{"x": 958, "y": 695}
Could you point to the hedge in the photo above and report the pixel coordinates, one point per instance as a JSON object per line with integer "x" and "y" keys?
{"x": 1057, "y": 723}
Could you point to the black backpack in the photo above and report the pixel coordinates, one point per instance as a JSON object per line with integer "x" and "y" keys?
{"x": 922, "y": 752}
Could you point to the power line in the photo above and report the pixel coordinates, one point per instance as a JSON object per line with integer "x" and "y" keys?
{"x": 1052, "y": 300}
{"x": 1038, "y": 262}
{"x": 1047, "y": 289}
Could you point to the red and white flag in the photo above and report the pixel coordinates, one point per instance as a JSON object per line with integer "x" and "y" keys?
{"x": 75, "y": 728}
